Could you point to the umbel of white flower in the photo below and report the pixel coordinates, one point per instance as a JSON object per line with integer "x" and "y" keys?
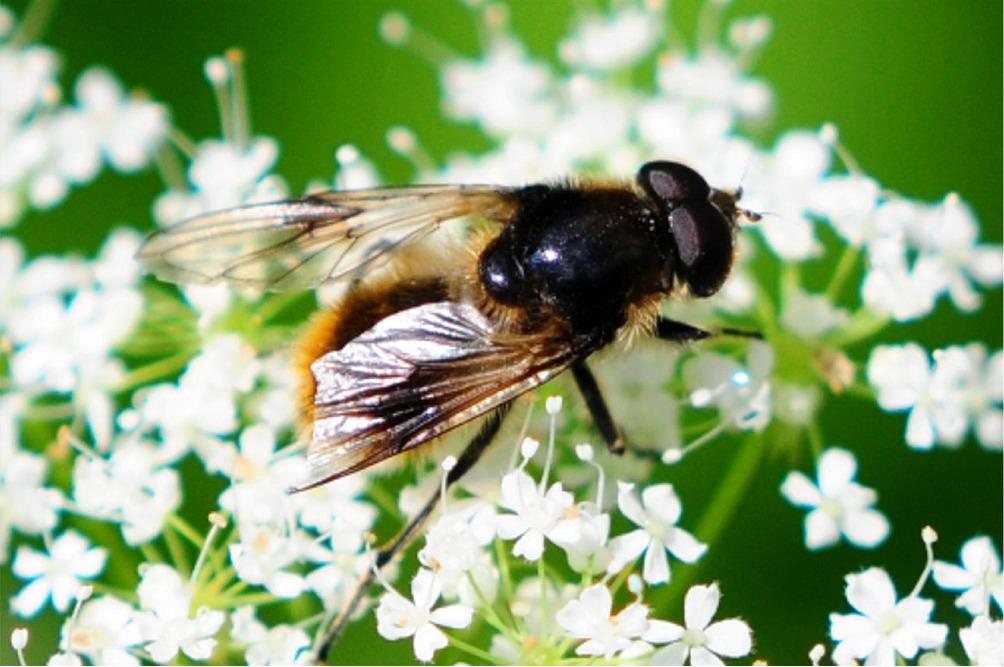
{"x": 838, "y": 505}
{"x": 884, "y": 628}
{"x": 656, "y": 515}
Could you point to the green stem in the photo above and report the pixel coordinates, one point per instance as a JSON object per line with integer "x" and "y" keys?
{"x": 33, "y": 23}
{"x": 177, "y": 550}
{"x": 153, "y": 371}
{"x": 816, "y": 440}
{"x": 864, "y": 324}
{"x": 723, "y": 506}
{"x": 276, "y": 304}
{"x": 489, "y": 614}
{"x": 731, "y": 489}
{"x": 185, "y": 529}
{"x": 484, "y": 656}
{"x": 840, "y": 274}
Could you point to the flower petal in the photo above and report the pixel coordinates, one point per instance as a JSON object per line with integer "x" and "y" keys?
{"x": 656, "y": 568}
{"x": 837, "y": 468}
{"x": 702, "y": 656}
{"x": 700, "y": 605}
{"x": 453, "y": 616}
{"x": 800, "y": 491}
{"x": 871, "y": 592}
{"x": 685, "y": 546}
{"x": 731, "y": 638}
{"x": 661, "y": 500}
{"x": 866, "y": 528}
{"x": 428, "y": 640}
{"x": 821, "y": 530}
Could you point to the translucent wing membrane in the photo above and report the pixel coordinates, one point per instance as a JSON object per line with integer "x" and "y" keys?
{"x": 416, "y": 375}
{"x": 300, "y": 243}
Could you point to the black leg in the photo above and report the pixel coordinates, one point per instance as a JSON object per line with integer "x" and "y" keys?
{"x": 681, "y": 332}
{"x": 472, "y": 452}
{"x": 597, "y": 406}
{"x": 678, "y": 332}
{"x": 741, "y": 333}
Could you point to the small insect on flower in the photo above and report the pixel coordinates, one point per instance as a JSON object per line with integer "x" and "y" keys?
{"x": 437, "y": 329}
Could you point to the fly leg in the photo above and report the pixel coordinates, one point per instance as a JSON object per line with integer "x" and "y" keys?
{"x": 332, "y": 629}
{"x": 597, "y": 405}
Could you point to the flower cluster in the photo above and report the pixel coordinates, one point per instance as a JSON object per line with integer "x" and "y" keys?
{"x": 47, "y": 146}
{"x": 887, "y": 629}
{"x": 458, "y": 563}
{"x": 149, "y": 436}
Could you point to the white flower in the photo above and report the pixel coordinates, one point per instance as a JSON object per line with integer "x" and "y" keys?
{"x": 742, "y": 395}
{"x": 589, "y": 617}
{"x": 656, "y": 514}
{"x": 398, "y": 617}
{"x": 983, "y": 391}
{"x": 278, "y": 645}
{"x": 848, "y": 202}
{"x": 839, "y": 505}
{"x": 947, "y": 233}
{"x": 982, "y": 641}
{"x": 700, "y": 640}
{"x": 223, "y": 175}
{"x": 130, "y": 488}
{"x": 811, "y": 316}
{"x": 57, "y": 574}
{"x": 344, "y": 564}
{"x": 127, "y": 129}
{"x": 535, "y": 513}
{"x": 202, "y": 405}
{"x": 583, "y": 535}
{"x": 165, "y": 621}
{"x": 595, "y": 124}
{"x": 67, "y": 347}
{"x": 895, "y": 288}
{"x": 884, "y": 628}
{"x": 980, "y": 576}
{"x": 455, "y": 550}
{"x": 935, "y": 395}
{"x": 262, "y": 556}
{"x": 611, "y": 42}
{"x": 27, "y": 77}
{"x": 260, "y": 477}
{"x": 26, "y": 504}
{"x": 505, "y": 92}
{"x": 713, "y": 81}
{"x": 105, "y": 631}
{"x": 334, "y": 507}
{"x": 784, "y": 186}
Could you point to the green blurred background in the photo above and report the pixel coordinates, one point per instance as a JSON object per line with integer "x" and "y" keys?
{"x": 914, "y": 86}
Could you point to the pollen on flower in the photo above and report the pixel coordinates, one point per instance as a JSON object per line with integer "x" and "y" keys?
{"x": 217, "y": 70}
{"x": 402, "y": 139}
{"x": 19, "y": 638}
{"x": 529, "y": 447}
{"x": 395, "y": 28}
{"x": 347, "y": 154}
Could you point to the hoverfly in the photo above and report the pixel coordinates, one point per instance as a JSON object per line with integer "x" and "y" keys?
{"x": 434, "y": 332}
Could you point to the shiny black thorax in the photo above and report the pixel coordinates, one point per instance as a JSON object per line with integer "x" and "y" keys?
{"x": 583, "y": 255}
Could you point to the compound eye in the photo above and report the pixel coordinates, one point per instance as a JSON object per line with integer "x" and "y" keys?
{"x": 672, "y": 183}
{"x": 704, "y": 246}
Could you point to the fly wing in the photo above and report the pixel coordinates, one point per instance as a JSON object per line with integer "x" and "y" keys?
{"x": 300, "y": 243}
{"x": 416, "y": 375}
